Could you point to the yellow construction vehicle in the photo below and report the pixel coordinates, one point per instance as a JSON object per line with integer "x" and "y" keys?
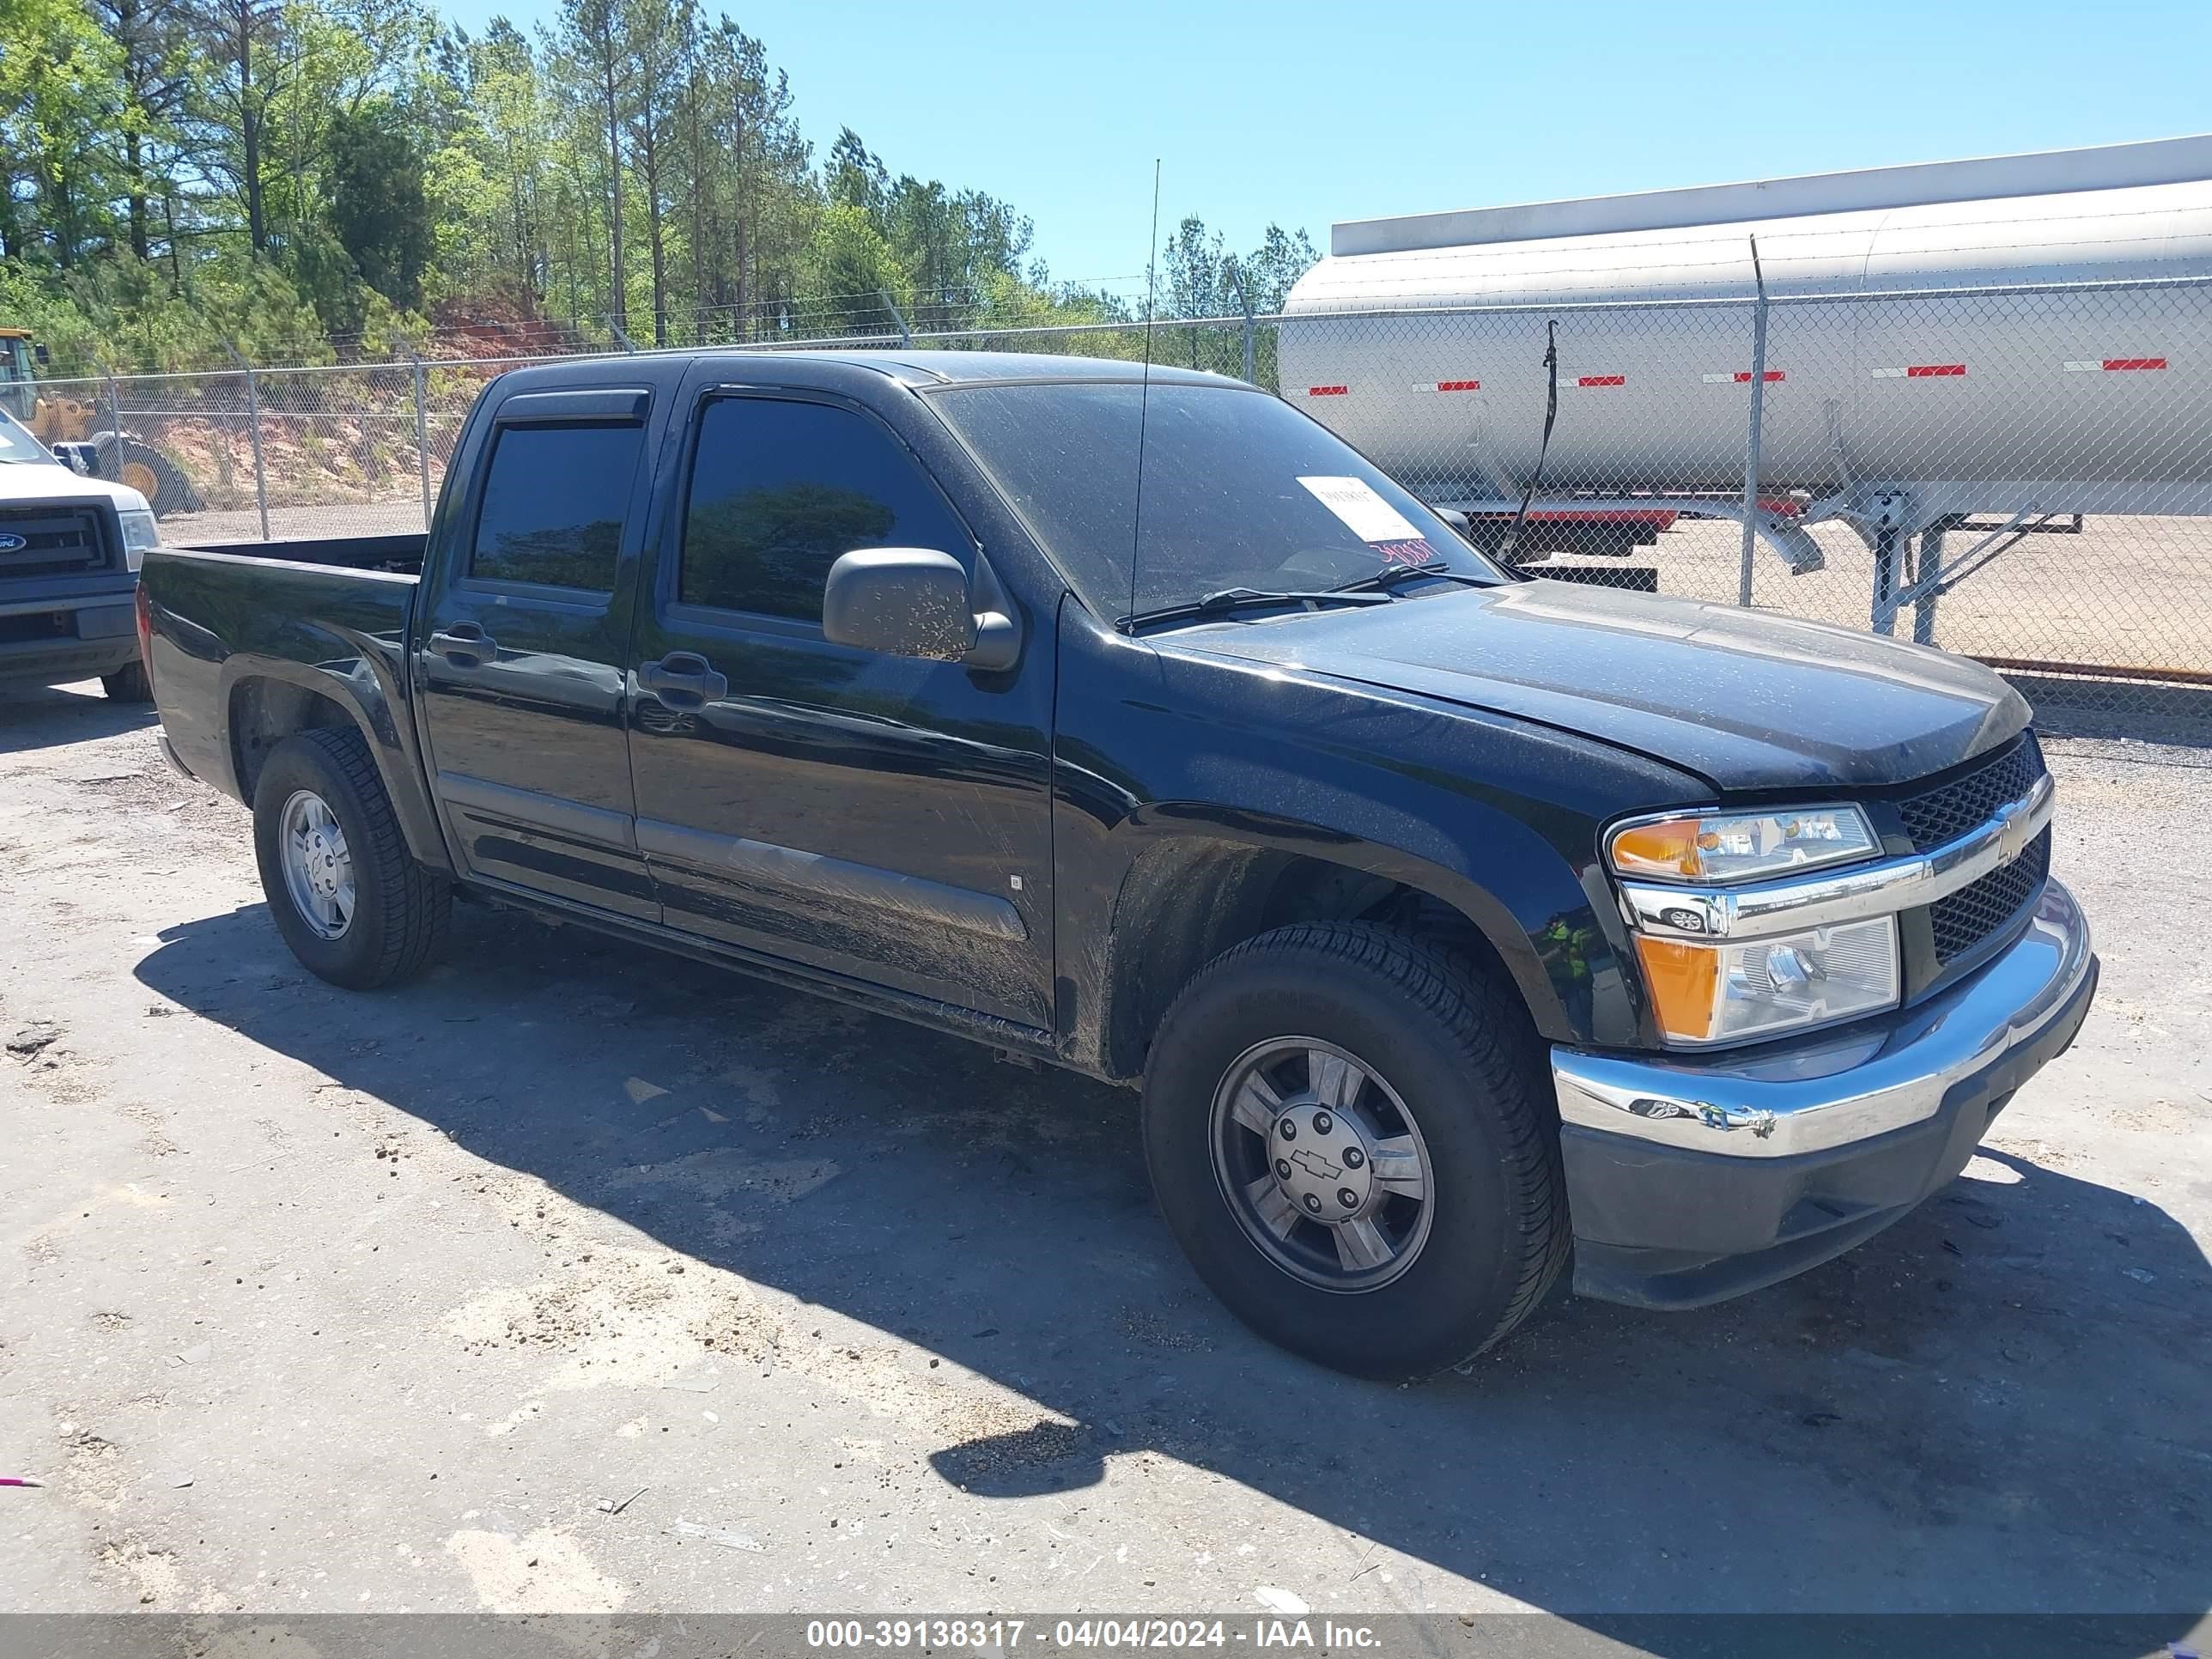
{"x": 56, "y": 419}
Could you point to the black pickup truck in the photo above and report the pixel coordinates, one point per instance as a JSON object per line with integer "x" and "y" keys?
{"x": 1454, "y": 924}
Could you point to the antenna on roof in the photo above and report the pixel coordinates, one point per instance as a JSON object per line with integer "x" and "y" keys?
{"x": 1145, "y": 392}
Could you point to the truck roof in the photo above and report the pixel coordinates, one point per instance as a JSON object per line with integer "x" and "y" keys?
{"x": 919, "y": 368}
{"x": 2043, "y": 173}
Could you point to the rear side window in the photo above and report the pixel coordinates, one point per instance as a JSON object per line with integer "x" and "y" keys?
{"x": 553, "y": 501}
{"x": 779, "y": 490}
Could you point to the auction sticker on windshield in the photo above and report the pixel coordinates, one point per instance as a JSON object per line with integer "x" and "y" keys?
{"x": 1369, "y": 517}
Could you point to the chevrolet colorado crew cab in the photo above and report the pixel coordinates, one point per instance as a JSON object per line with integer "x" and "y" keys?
{"x": 69, "y": 551}
{"x": 1454, "y": 925}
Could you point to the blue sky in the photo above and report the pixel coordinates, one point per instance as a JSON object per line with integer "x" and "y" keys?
{"x": 1307, "y": 114}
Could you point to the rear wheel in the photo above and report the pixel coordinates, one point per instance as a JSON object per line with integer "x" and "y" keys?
{"x": 1347, "y": 1135}
{"x": 128, "y": 684}
{"x": 352, "y": 904}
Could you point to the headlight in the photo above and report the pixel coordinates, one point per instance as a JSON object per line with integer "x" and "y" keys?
{"x": 139, "y": 533}
{"x": 1728, "y": 847}
{"x": 1726, "y": 991}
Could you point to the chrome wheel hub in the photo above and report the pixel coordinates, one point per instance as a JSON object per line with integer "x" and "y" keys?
{"x": 317, "y": 868}
{"x": 1321, "y": 1164}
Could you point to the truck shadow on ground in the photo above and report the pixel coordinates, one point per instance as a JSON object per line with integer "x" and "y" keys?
{"x": 1996, "y": 1405}
{"x": 45, "y": 717}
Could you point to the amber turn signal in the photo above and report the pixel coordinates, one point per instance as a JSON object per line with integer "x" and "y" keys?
{"x": 1683, "y": 980}
{"x": 1667, "y": 847}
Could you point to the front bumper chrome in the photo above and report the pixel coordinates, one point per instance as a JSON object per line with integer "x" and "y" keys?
{"x": 1839, "y": 1088}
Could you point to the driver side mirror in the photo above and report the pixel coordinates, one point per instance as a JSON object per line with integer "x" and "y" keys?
{"x": 914, "y": 602}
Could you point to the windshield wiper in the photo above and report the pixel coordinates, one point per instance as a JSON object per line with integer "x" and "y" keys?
{"x": 1225, "y": 600}
{"x": 1391, "y": 574}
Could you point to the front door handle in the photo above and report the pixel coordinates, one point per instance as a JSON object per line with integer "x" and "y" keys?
{"x": 464, "y": 643}
{"x": 682, "y": 680}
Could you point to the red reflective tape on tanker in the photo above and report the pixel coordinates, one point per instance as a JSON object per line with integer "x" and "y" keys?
{"x": 2112, "y": 364}
{"x": 1327, "y": 390}
{"x": 1602, "y": 380}
{"x": 1933, "y": 371}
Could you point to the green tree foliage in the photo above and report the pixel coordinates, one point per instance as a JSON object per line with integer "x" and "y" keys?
{"x": 289, "y": 179}
{"x": 1201, "y": 278}
{"x": 379, "y": 206}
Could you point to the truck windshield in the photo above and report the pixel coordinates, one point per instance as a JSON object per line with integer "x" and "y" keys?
{"x": 17, "y": 445}
{"x": 1240, "y": 491}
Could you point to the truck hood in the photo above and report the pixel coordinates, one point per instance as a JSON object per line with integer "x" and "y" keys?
{"x": 1746, "y": 699}
{"x": 50, "y": 481}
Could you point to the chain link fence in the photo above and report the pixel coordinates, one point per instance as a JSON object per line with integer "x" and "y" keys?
{"x": 2023, "y": 474}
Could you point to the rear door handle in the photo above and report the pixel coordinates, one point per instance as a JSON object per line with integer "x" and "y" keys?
{"x": 682, "y": 680}
{"x": 464, "y": 643}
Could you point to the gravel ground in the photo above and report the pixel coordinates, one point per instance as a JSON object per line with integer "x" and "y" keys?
{"x": 576, "y": 1278}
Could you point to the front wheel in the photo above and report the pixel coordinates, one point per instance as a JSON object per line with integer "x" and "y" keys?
{"x": 159, "y": 479}
{"x": 348, "y": 898}
{"x": 128, "y": 684}
{"x": 1347, "y": 1135}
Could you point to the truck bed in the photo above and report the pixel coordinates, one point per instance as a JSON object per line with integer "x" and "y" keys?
{"x": 398, "y": 556}
{"x": 240, "y": 624}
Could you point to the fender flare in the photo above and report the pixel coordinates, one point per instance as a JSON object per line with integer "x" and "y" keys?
{"x": 364, "y": 685}
{"x": 1552, "y": 897}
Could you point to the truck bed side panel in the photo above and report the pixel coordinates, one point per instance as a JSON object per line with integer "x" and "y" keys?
{"x": 397, "y": 554}
{"x": 235, "y": 637}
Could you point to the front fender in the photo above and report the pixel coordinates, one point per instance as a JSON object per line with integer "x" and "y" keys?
{"x": 1166, "y": 761}
{"x": 1527, "y": 901}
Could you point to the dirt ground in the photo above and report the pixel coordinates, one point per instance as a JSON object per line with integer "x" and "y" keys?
{"x": 575, "y": 1278}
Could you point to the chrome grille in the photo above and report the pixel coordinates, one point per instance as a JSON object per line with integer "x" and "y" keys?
{"x": 55, "y": 541}
{"x": 1981, "y": 908}
{"x": 1950, "y": 809}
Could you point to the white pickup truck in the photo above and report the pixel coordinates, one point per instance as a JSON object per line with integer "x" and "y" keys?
{"x": 70, "y": 547}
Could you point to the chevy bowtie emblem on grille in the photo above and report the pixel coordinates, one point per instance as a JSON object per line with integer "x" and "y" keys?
{"x": 2011, "y": 831}
{"x": 10, "y": 543}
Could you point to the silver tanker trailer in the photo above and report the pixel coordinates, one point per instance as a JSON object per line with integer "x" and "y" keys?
{"x": 1997, "y": 346}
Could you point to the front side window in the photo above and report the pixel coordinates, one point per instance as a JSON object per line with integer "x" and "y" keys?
{"x": 779, "y": 490}
{"x": 553, "y": 501}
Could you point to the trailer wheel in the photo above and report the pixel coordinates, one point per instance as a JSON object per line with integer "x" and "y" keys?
{"x": 348, "y": 898}
{"x": 1347, "y": 1136}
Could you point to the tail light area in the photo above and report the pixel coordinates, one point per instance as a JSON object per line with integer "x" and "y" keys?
{"x": 144, "y": 608}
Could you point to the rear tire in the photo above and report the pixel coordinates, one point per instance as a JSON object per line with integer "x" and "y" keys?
{"x": 1448, "y": 1102}
{"x": 354, "y": 906}
{"x": 128, "y": 684}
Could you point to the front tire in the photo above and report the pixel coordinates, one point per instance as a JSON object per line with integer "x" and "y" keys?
{"x": 354, "y": 906}
{"x": 128, "y": 684}
{"x": 1424, "y": 1214}
{"x": 159, "y": 479}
